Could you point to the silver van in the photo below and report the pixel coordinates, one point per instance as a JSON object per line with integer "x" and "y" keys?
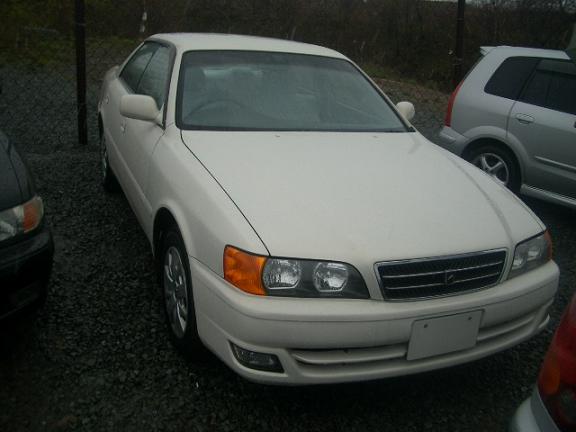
{"x": 514, "y": 117}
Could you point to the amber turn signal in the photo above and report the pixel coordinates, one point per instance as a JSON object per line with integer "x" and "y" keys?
{"x": 244, "y": 270}
{"x": 33, "y": 214}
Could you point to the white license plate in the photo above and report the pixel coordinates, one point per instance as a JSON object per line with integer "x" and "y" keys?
{"x": 437, "y": 336}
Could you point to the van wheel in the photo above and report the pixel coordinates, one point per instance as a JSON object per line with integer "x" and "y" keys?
{"x": 177, "y": 295}
{"x": 108, "y": 179}
{"x": 497, "y": 162}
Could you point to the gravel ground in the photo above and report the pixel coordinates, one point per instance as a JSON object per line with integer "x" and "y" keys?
{"x": 430, "y": 104}
{"x": 97, "y": 356}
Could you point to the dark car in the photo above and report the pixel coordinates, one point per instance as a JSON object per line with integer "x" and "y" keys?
{"x": 26, "y": 246}
{"x": 552, "y": 406}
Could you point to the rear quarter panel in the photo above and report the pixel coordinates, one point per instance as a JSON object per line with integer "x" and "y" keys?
{"x": 474, "y": 107}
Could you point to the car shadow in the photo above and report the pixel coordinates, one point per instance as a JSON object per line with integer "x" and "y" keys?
{"x": 17, "y": 335}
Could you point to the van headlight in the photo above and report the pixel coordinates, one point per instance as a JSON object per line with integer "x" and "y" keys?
{"x": 21, "y": 219}
{"x": 530, "y": 254}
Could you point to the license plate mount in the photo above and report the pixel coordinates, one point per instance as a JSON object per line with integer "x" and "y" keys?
{"x": 442, "y": 335}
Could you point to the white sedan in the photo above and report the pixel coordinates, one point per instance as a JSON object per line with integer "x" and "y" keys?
{"x": 303, "y": 230}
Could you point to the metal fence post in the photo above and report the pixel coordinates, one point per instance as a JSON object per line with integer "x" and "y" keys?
{"x": 459, "y": 52}
{"x": 80, "y": 39}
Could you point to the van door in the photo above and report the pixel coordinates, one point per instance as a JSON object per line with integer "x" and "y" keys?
{"x": 544, "y": 121}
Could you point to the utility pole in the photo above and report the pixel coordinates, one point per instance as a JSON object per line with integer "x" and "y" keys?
{"x": 80, "y": 36}
{"x": 459, "y": 51}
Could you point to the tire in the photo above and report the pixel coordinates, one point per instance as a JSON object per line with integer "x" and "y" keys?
{"x": 108, "y": 179}
{"x": 177, "y": 294}
{"x": 497, "y": 162}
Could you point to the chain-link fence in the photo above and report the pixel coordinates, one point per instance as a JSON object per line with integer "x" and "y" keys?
{"x": 38, "y": 99}
{"x": 38, "y": 75}
{"x": 405, "y": 44}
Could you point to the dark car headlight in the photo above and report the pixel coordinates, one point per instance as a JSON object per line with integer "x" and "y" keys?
{"x": 21, "y": 219}
{"x": 530, "y": 254}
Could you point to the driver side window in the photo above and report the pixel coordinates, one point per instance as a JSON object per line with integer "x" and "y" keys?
{"x": 154, "y": 81}
{"x": 133, "y": 70}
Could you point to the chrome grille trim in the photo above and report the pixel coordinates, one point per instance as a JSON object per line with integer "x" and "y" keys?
{"x": 440, "y": 272}
{"x": 441, "y": 284}
{"x": 416, "y": 279}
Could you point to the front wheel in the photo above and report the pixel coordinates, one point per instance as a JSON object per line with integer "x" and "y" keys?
{"x": 498, "y": 163}
{"x": 176, "y": 287}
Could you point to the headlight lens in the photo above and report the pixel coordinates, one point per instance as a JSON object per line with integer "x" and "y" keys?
{"x": 530, "y": 254}
{"x": 21, "y": 219}
{"x": 284, "y": 277}
{"x": 330, "y": 277}
{"x": 282, "y": 274}
{"x": 307, "y": 278}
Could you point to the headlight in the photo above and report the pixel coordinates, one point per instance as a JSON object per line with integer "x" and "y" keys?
{"x": 282, "y": 274}
{"x": 530, "y": 254}
{"x": 21, "y": 219}
{"x": 285, "y": 277}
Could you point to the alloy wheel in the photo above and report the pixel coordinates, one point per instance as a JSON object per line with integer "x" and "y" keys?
{"x": 175, "y": 292}
{"x": 493, "y": 165}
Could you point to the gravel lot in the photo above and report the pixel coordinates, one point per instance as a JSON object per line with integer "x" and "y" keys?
{"x": 97, "y": 356}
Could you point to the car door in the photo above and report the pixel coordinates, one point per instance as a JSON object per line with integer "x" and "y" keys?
{"x": 125, "y": 82}
{"x": 544, "y": 121}
{"x": 141, "y": 137}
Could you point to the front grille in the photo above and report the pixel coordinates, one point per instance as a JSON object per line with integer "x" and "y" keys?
{"x": 434, "y": 277}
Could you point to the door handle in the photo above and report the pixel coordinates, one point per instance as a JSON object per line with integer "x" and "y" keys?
{"x": 524, "y": 118}
{"x": 123, "y": 127}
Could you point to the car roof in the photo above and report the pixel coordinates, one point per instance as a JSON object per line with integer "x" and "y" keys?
{"x": 527, "y": 52}
{"x": 214, "y": 41}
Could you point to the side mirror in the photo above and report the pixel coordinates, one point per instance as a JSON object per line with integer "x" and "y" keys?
{"x": 139, "y": 107}
{"x": 406, "y": 109}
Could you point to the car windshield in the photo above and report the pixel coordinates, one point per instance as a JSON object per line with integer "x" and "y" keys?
{"x": 247, "y": 90}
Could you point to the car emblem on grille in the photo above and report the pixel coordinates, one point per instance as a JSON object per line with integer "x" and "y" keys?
{"x": 449, "y": 278}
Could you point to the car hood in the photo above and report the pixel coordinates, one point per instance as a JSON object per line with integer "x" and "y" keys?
{"x": 11, "y": 193}
{"x": 354, "y": 196}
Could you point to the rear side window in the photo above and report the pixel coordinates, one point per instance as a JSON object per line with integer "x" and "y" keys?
{"x": 510, "y": 77}
{"x": 553, "y": 86}
{"x": 135, "y": 67}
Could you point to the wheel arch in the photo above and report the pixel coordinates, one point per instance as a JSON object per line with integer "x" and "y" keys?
{"x": 163, "y": 220}
{"x": 477, "y": 143}
{"x": 188, "y": 340}
{"x": 169, "y": 216}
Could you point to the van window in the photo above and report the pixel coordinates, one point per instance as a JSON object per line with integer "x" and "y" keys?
{"x": 553, "y": 86}
{"x": 510, "y": 77}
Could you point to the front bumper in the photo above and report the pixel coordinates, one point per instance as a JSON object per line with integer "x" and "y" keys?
{"x": 452, "y": 140}
{"x": 25, "y": 268}
{"x": 328, "y": 341}
{"x": 532, "y": 416}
